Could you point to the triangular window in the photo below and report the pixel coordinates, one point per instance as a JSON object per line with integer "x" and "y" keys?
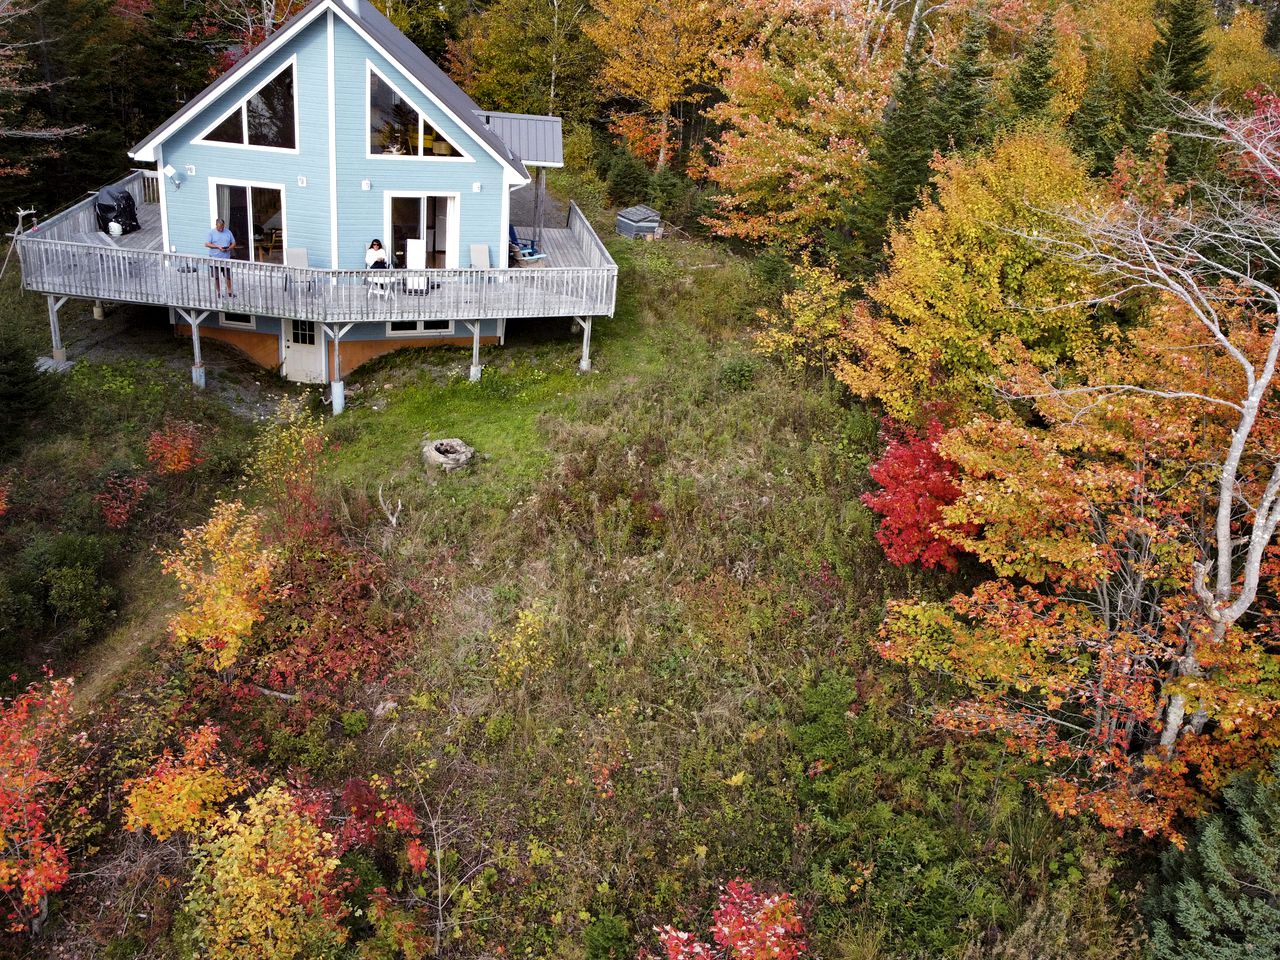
{"x": 398, "y": 128}
{"x": 267, "y": 118}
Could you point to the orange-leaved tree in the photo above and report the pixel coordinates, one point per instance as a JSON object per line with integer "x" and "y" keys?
{"x": 33, "y": 858}
{"x": 224, "y": 572}
{"x": 1131, "y": 523}
{"x": 180, "y": 794}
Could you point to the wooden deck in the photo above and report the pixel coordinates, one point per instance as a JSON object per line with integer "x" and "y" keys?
{"x": 67, "y": 256}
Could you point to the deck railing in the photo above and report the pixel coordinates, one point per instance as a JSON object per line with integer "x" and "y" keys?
{"x": 71, "y": 268}
{"x": 57, "y": 259}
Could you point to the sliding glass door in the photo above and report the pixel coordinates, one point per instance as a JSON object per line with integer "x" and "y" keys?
{"x": 419, "y": 217}
{"x": 255, "y": 216}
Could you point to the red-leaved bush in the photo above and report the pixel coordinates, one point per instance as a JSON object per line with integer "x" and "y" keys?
{"x": 916, "y": 482}
{"x": 120, "y": 498}
{"x": 746, "y": 926}
{"x": 175, "y": 448}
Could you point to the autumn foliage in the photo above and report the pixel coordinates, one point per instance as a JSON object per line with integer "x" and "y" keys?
{"x": 747, "y": 925}
{"x": 916, "y": 482}
{"x": 224, "y": 572}
{"x": 180, "y": 794}
{"x": 33, "y": 858}
{"x": 175, "y": 448}
{"x": 265, "y": 884}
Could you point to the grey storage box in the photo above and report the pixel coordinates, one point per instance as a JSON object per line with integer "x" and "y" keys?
{"x": 640, "y": 221}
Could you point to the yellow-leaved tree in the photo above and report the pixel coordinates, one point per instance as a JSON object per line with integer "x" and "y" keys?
{"x": 264, "y": 884}
{"x": 968, "y": 286}
{"x": 181, "y": 793}
{"x": 224, "y": 572}
{"x": 659, "y": 53}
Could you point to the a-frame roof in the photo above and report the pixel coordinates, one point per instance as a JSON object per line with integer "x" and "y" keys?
{"x": 365, "y": 19}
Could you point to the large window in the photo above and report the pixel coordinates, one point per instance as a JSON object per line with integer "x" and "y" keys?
{"x": 268, "y": 118}
{"x": 255, "y": 217}
{"x": 398, "y": 128}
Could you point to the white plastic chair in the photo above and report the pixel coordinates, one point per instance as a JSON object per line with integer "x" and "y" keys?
{"x": 479, "y": 256}
{"x": 415, "y": 258}
{"x": 297, "y": 257}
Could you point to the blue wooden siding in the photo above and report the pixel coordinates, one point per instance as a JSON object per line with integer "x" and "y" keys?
{"x": 307, "y": 209}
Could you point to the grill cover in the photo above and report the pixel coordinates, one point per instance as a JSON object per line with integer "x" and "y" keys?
{"x": 116, "y": 204}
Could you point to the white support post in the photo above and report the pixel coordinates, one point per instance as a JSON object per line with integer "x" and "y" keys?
{"x": 474, "y": 327}
{"x": 194, "y": 319}
{"x": 540, "y": 192}
{"x": 55, "y": 331}
{"x": 337, "y": 390}
{"x": 584, "y": 365}
{"x": 98, "y": 313}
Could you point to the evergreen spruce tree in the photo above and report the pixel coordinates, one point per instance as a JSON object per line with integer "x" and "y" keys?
{"x": 1271, "y": 36}
{"x": 898, "y": 162}
{"x": 962, "y": 100}
{"x": 1176, "y": 70}
{"x": 1220, "y": 898}
{"x": 1031, "y": 87}
{"x": 1183, "y": 45}
{"x": 1096, "y": 127}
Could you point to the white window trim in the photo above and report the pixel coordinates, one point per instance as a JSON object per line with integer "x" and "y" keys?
{"x": 370, "y": 70}
{"x": 290, "y": 64}
{"x": 452, "y": 239}
{"x": 284, "y": 208}
{"x": 398, "y": 334}
{"x": 252, "y": 324}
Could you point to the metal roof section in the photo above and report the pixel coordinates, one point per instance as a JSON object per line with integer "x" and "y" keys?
{"x": 365, "y": 18}
{"x": 537, "y": 140}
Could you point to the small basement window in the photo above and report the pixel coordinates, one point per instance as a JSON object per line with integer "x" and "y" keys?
{"x": 419, "y": 328}
{"x": 268, "y": 117}
{"x": 243, "y": 320}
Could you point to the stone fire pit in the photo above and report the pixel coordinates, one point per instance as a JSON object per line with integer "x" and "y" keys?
{"x": 447, "y": 455}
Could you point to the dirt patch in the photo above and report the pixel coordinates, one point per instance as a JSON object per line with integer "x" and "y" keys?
{"x": 131, "y": 333}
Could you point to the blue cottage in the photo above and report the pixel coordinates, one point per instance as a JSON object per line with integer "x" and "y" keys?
{"x": 334, "y": 132}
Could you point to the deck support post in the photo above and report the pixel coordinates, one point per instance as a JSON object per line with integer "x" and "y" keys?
{"x": 194, "y": 319}
{"x": 337, "y": 390}
{"x": 98, "y": 313}
{"x": 539, "y": 193}
{"x": 55, "y": 331}
{"x": 474, "y": 327}
{"x": 584, "y": 365}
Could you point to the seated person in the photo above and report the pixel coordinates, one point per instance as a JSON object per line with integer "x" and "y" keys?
{"x": 375, "y": 258}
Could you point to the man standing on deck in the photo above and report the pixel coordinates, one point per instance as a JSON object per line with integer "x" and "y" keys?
{"x": 221, "y": 242}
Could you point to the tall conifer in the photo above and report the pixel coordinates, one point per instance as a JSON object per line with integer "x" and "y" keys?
{"x": 963, "y": 98}
{"x": 898, "y": 162}
{"x": 1031, "y": 88}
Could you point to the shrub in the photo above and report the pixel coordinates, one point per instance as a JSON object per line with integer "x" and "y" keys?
{"x": 179, "y": 794}
{"x": 737, "y": 373}
{"x": 80, "y": 602}
{"x": 916, "y": 482}
{"x": 628, "y": 179}
{"x": 243, "y": 912}
{"x": 24, "y": 392}
{"x": 1216, "y": 900}
{"x": 355, "y": 722}
{"x": 608, "y": 937}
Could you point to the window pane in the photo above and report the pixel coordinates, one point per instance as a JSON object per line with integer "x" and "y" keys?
{"x": 230, "y": 130}
{"x": 393, "y": 124}
{"x": 271, "y": 113}
{"x": 404, "y": 326}
{"x": 238, "y": 319}
{"x": 406, "y": 224}
{"x": 268, "y": 225}
{"x": 233, "y": 207}
{"x": 436, "y": 324}
{"x": 433, "y": 144}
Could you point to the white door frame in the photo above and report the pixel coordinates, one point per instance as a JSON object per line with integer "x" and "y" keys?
{"x": 311, "y": 365}
{"x": 284, "y": 208}
{"x": 453, "y": 233}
